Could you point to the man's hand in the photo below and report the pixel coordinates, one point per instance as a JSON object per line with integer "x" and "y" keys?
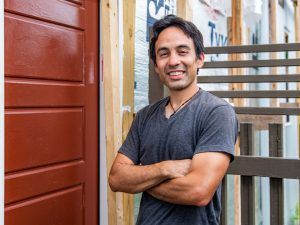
{"x": 175, "y": 168}
{"x": 127, "y": 177}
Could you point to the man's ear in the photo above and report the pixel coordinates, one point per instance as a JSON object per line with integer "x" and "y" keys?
{"x": 200, "y": 60}
{"x": 155, "y": 68}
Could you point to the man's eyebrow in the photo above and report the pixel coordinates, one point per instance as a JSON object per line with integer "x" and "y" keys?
{"x": 183, "y": 46}
{"x": 162, "y": 49}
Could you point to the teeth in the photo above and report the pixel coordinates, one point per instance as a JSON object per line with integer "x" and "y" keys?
{"x": 175, "y": 73}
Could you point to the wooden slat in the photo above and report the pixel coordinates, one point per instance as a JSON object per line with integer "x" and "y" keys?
{"x": 276, "y": 184}
{"x": 247, "y": 182}
{"x": 267, "y": 111}
{"x": 252, "y": 63}
{"x": 253, "y": 48}
{"x": 265, "y": 167}
{"x": 249, "y": 78}
{"x": 256, "y": 94}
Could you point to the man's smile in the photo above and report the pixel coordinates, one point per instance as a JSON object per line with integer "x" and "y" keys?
{"x": 176, "y": 75}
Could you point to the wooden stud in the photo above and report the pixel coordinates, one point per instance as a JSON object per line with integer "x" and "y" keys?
{"x": 273, "y": 40}
{"x": 276, "y": 184}
{"x": 128, "y": 92}
{"x": 184, "y": 9}
{"x": 247, "y": 182}
{"x": 111, "y": 80}
{"x": 224, "y": 200}
{"x": 235, "y": 32}
{"x": 235, "y": 36}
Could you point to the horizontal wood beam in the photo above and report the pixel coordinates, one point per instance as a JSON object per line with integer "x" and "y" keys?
{"x": 249, "y": 78}
{"x": 267, "y": 111}
{"x": 256, "y": 94}
{"x": 252, "y": 63}
{"x": 275, "y": 167}
{"x": 253, "y": 48}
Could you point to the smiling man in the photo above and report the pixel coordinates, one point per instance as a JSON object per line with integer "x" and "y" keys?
{"x": 179, "y": 148}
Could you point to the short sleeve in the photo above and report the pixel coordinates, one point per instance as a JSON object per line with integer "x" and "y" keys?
{"x": 131, "y": 145}
{"x": 219, "y": 132}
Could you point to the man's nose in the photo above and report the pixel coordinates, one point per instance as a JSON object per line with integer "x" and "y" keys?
{"x": 173, "y": 60}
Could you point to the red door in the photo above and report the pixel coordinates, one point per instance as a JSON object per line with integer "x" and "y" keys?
{"x": 51, "y": 112}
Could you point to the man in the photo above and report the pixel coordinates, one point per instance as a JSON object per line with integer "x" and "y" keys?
{"x": 179, "y": 148}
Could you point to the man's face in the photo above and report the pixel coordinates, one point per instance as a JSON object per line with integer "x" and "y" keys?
{"x": 176, "y": 61}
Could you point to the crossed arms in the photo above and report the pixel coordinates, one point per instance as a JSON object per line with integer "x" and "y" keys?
{"x": 185, "y": 182}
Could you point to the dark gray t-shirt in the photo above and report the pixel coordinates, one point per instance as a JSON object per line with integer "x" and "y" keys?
{"x": 206, "y": 123}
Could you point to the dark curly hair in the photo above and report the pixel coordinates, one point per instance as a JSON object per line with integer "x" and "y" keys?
{"x": 186, "y": 26}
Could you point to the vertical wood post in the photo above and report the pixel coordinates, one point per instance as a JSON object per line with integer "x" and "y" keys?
{"x": 184, "y": 9}
{"x": 128, "y": 92}
{"x": 224, "y": 211}
{"x": 247, "y": 182}
{"x": 273, "y": 40}
{"x": 297, "y": 39}
{"x": 111, "y": 81}
{"x": 276, "y": 184}
{"x": 235, "y": 37}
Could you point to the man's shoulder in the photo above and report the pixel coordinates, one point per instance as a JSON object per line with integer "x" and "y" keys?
{"x": 209, "y": 103}
{"x": 149, "y": 109}
{"x": 212, "y": 101}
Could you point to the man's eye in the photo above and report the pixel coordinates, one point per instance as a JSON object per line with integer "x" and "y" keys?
{"x": 164, "y": 54}
{"x": 183, "y": 52}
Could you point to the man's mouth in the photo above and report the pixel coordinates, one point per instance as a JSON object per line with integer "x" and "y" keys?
{"x": 176, "y": 75}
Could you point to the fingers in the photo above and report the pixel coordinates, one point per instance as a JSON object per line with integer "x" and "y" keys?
{"x": 180, "y": 168}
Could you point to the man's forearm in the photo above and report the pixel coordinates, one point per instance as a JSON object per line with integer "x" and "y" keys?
{"x": 183, "y": 191}
{"x": 136, "y": 178}
{"x": 127, "y": 177}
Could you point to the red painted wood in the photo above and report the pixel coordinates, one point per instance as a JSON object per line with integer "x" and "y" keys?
{"x": 23, "y": 92}
{"x": 38, "y": 49}
{"x": 19, "y": 186}
{"x": 57, "y": 11}
{"x": 38, "y": 137}
{"x": 51, "y": 112}
{"x": 61, "y": 208}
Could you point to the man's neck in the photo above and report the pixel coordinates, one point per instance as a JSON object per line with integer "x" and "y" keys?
{"x": 179, "y": 97}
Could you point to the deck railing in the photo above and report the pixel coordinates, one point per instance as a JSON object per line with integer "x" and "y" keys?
{"x": 246, "y": 165}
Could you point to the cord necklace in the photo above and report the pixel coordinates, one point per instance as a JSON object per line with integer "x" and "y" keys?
{"x": 175, "y": 111}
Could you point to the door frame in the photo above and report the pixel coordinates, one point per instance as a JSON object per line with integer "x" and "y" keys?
{"x": 2, "y": 112}
{"x": 103, "y": 207}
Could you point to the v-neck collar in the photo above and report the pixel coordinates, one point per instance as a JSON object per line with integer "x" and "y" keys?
{"x": 177, "y": 114}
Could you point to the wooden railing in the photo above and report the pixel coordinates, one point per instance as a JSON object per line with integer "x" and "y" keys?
{"x": 246, "y": 165}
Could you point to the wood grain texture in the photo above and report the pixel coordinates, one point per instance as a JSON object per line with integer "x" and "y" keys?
{"x": 111, "y": 80}
{"x": 128, "y": 91}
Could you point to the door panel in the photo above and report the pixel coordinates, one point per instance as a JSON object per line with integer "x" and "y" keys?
{"x": 62, "y": 12}
{"x": 50, "y": 135}
{"x": 51, "y": 112}
{"x": 29, "y": 40}
{"x": 62, "y": 207}
{"x": 19, "y": 186}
